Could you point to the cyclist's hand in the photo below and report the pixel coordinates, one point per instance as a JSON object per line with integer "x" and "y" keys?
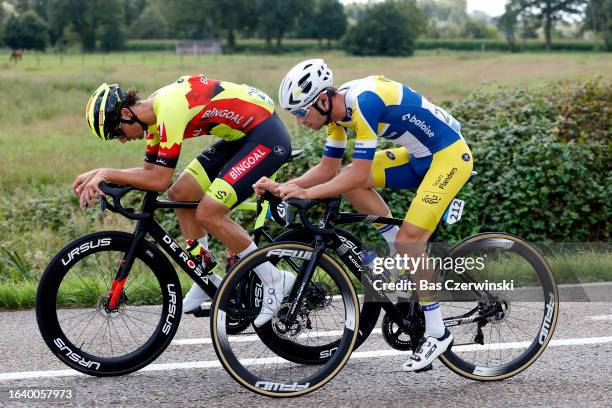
{"x": 265, "y": 184}
{"x": 82, "y": 180}
{"x": 90, "y": 191}
{"x": 287, "y": 191}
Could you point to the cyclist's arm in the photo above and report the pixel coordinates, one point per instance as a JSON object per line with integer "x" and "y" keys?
{"x": 322, "y": 172}
{"x": 330, "y": 162}
{"x": 367, "y": 112}
{"x": 151, "y": 177}
{"x": 356, "y": 177}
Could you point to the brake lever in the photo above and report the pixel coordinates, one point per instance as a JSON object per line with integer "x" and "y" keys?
{"x": 103, "y": 205}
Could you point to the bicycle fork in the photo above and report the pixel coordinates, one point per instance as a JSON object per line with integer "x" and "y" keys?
{"x": 303, "y": 279}
{"x": 124, "y": 269}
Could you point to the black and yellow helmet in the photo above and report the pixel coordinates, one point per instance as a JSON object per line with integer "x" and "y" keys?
{"x": 103, "y": 112}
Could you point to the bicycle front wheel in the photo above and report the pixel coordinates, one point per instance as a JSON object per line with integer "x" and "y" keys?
{"x": 74, "y": 315}
{"x": 328, "y": 313}
{"x": 503, "y": 330}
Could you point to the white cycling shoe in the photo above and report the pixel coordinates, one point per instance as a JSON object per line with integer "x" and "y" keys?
{"x": 196, "y": 296}
{"x": 427, "y": 351}
{"x": 276, "y": 285}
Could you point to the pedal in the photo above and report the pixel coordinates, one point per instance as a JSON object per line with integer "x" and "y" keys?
{"x": 426, "y": 368}
{"x": 199, "y": 312}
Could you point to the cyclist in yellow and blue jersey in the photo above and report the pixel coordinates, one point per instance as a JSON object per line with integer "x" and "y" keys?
{"x": 433, "y": 158}
{"x": 254, "y": 143}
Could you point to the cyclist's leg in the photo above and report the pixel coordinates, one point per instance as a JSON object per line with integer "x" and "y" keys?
{"x": 391, "y": 168}
{"x": 262, "y": 153}
{"x": 195, "y": 180}
{"x": 448, "y": 172}
{"x": 191, "y": 186}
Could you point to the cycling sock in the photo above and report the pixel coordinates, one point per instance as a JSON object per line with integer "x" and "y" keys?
{"x": 434, "y": 325}
{"x": 389, "y": 233}
{"x": 266, "y": 271}
{"x": 247, "y": 250}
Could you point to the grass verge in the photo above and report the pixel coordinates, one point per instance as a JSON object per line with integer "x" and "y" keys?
{"x": 586, "y": 267}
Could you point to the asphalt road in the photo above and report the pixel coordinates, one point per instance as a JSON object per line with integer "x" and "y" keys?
{"x": 575, "y": 370}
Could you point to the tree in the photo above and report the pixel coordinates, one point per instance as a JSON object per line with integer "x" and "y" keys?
{"x": 112, "y": 26}
{"x": 82, "y": 17}
{"x": 388, "y": 28}
{"x": 231, "y": 16}
{"x": 278, "y": 17}
{"x": 151, "y": 23}
{"x": 447, "y": 18}
{"x": 598, "y": 17}
{"x": 1, "y": 24}
{"x": 329, "y": 21}
{"x": 547, "y": 11}
{"x": 477, "y": 29}
{"x": 507, "y": 23}
{"x": 27, "y": 31}
{"x": 40, "y": 7}
{"x": 133, "y": 9}
{"x": 190, "y": 19}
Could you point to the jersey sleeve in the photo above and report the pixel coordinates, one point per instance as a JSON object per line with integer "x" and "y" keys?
{"x": 152, "y": 147}
{"x": 336, "y": 141}
{"x": 367, "y": 111}
{"x": 171, "y": 124}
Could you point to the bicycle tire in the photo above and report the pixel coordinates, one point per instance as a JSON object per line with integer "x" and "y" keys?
{"x": 267, "y": 386}
{"x": 472, "y": 371}
{"x": 47, "y": 310}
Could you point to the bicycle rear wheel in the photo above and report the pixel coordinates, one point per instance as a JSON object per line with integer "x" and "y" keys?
{"x": 73, "y": 312}
{"x": 328, "y": 313}
{"x": 519, "y": 321}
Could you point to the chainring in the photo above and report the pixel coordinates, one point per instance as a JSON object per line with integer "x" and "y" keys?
{"x": 394, "y": 335}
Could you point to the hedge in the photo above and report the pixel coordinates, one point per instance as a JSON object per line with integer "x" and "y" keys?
{"x": 255, "y": 46}
{"x": 463, "y": 44}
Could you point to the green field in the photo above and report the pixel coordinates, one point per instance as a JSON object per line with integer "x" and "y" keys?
{"x": 44, "y": 142}
{"x": 43, "y": 137}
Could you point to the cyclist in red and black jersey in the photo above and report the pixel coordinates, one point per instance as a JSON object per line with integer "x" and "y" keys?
{"x": 254, "y": 143}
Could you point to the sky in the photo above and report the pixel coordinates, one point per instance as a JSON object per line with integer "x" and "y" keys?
{"x": 493, "y": 8}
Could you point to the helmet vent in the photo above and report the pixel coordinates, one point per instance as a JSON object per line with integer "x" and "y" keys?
{"x": 303, "y": 79}
{"x": 306, "y": 66}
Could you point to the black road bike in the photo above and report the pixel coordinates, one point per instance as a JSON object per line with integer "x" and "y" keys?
{"x": 497, "y": 332}
{"x": 110, "y": 302}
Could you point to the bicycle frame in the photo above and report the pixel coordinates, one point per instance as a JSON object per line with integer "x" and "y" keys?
{"x": 348, "y": 248}
{"x": 146, "y": 224}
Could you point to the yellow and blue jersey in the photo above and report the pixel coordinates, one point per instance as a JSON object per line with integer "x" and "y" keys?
{"x": 379, "y": 107}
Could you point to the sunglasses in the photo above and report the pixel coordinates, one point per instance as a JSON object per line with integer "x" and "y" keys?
{"x": 116, "y": 133}
{"x": 303, "y": 112}
{"x": 300, "y": 113}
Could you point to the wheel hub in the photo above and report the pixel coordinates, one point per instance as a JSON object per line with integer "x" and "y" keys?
{"x": 288, "y": 330}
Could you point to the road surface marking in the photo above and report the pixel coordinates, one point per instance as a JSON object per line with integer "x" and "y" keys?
{"x": 357, "y": 355}
{"x": 602, "y": 317}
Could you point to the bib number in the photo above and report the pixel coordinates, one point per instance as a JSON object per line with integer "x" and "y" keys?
{"x": 454, "y": 211}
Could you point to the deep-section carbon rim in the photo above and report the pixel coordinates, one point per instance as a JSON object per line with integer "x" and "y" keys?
{"x": 255, "y": 366}
{"x": 319, "y": 353}
{"x": 520, "y": 335}
{"x": 84, "y": 334}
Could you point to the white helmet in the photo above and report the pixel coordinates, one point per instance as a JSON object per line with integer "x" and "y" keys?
{"x": 303, "y": 83}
